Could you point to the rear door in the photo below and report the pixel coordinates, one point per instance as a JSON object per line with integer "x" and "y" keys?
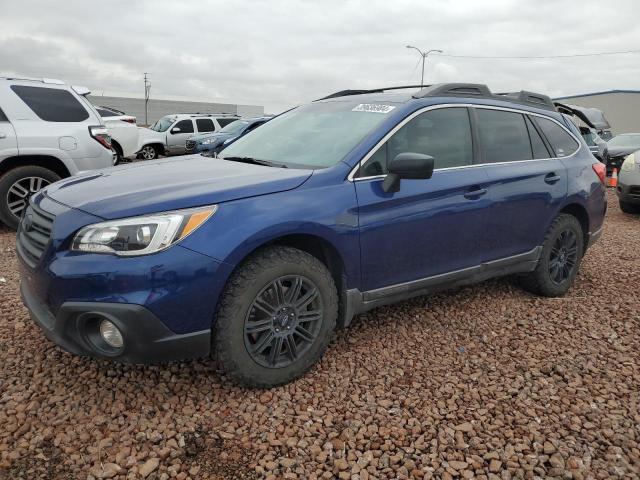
{"x": 8, "y": 142}
{"x": 178, "y": 135}
{"x": 527, "y": 180}
{"x": 429, "y": 227}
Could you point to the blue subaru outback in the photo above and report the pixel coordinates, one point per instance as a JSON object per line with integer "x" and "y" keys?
{"x": 357, "y": 200}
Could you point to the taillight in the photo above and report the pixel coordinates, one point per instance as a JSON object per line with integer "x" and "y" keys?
{"x": 101, "y": 134}
{"x": 601, "y": 171}
{"x": 129, "y": 120}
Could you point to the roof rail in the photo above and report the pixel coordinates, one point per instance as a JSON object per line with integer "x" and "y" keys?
{"x": 346, "y": 93}
{"x": 530, "y": 98}
{"x": 454, "y": 89}
{"x": 52, "y": 81}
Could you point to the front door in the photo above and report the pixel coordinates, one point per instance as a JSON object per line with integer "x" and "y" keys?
{"x": 429, "y": 227}
{"x": 178, "y": 135}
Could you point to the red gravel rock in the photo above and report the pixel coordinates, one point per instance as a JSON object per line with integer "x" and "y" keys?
{"x": 485, "y": 381}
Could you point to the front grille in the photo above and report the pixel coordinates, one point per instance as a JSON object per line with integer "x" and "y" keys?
{"x": 634, "y": 191}
{"x": 190, "y": 145}
{"x": 34, "y": 234}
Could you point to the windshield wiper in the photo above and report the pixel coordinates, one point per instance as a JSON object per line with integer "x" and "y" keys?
{"x": 255, "y": 161}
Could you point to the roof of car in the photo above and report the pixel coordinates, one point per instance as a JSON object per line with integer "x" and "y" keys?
{"x": 473, "y": 91}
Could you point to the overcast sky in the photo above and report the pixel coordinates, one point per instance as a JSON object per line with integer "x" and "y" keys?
{"x": 280, "y": 53}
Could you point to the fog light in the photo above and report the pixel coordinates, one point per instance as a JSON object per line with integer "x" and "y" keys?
{"x": 111, "y": 334}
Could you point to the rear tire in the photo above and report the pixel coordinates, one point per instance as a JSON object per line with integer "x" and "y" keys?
{"x": 560, "y": 259}
{"x": 263, "y": 309}
{"x": 627, "y": 207}
{"x": 17, "y": 186}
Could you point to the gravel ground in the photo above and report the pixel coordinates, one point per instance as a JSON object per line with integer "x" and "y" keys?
{"x": 482, "y": 382}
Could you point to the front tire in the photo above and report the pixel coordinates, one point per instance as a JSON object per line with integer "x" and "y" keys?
{"x": 149, "y": 152}
{"x": 17, "y": 186}
{"x": 627, "y": 207}
{"x": 560, "y": 259}
{"x": 275, "y": 317}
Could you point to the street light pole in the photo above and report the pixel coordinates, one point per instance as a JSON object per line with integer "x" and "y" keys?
{"x": 424, "y": 56}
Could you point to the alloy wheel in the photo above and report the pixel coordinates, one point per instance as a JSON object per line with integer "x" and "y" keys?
{"x": 148, "y": 153}
{"x": 21, "y": 191}
{"x": 563, "y": 256}
{"x": 283, "y": 321}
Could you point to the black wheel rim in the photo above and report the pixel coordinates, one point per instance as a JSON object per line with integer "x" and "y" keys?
{"x": 283, "y": 321}
{"x": 21, "y": 191}
{"x": 563, "y": 256}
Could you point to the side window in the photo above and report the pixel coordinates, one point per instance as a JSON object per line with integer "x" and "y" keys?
{"x": 205, "y": 125}
{"x": 223, "y": 122}
{"x": 445, "y": 134}
{"x": 503, "y": 136}
{"x": 51, "y": 104}
{"x": 185, "y": 126}
{"x": 3, "y": 117}
{"x": 537, "y": 144}
{"x": 562, "y": 143}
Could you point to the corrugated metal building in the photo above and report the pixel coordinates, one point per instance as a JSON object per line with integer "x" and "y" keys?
{"x": 159, "y": 108}
{"x": 621, "y": 107}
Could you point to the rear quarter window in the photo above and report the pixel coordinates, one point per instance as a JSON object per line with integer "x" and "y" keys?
{"x": 51, "y": 104}
{"x": 561, "y": 142}
{"x": 3, "y": 117}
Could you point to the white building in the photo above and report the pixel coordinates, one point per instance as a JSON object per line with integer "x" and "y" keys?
{"x": 159, "y": 108}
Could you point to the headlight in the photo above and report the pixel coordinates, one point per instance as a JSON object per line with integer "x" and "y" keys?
{"x": 630, "y": 162}
{"x": 208, "y": 141}
{"x": 141, "y": 235}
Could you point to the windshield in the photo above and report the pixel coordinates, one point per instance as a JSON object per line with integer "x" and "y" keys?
{"x": 625, "y": 141}
{"x": 235, "y": 127}
{"x": 162, "y": 124}
{"x": 317, "y": 135}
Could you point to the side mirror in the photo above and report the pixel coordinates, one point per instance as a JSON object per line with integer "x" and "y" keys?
{"x": 175, "y": 130}
{"x": 407, "y": 165}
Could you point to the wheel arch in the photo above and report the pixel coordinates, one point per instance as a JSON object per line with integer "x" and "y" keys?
{"x": 315, "y": 245}
{"x": 158, "y": 145}
{"x": 580, "y": 213}
{"x": 45, "y": 161}
{"x": 117, "y": 147}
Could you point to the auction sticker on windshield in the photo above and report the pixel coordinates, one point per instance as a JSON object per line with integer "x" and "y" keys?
{"x": 373, "y": 107}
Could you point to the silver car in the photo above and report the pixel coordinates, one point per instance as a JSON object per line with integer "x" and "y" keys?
{"x": 48, "y": 130}
{"x": 628, "y": 189}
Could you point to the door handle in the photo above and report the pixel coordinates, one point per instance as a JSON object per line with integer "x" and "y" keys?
{"x": 474, "y": 193}
{"x": 551, "y": 178}
{"x": 3, "y": 135}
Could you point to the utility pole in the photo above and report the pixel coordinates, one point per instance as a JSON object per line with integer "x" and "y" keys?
{"x": 424, "y": 56}
{"x": 147, "y": 89}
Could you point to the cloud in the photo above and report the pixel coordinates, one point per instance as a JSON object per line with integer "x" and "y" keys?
{"x": 281, "y": 53}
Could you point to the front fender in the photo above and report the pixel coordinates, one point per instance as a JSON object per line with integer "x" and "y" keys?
{"x": 239, "y": 227}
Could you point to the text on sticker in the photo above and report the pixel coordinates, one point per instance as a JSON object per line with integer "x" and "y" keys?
{"x": 373, "y": 107}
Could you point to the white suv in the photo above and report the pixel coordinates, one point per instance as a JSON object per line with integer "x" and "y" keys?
{"x": 169, "y": 134}
{"x": 48, "y": 130}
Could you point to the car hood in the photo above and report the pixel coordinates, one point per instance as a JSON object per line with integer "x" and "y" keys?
{"x": 171, "y": 184}
{"x": 204, "y": 136}
{"x": 621, "y": 151}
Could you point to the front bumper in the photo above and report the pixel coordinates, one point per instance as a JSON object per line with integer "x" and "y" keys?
{"x": 146, "y": 338}
{"x": 628, "y": 193}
